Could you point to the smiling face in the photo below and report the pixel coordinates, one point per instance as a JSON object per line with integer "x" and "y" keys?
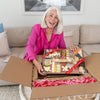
{"x": 51, "y": 19}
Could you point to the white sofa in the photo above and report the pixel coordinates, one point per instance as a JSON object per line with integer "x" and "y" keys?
{"x": 85, "y": 36}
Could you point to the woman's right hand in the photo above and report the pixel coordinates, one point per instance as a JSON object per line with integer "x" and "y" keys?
{"x": 38, "y": 66}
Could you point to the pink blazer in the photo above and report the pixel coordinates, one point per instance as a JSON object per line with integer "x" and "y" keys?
{"x": 37, "y": 42}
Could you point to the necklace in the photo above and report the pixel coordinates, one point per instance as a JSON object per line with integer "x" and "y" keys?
{"x": 48, "y": 34}
{"x": 49, "y": 31}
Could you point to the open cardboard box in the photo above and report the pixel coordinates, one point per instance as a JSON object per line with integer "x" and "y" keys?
{"x": 22, "y": 72}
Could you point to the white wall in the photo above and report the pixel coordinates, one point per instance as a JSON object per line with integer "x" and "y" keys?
{"x": 11, "y": 14}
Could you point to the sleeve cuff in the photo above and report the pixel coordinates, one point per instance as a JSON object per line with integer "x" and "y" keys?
{"x": 31, "y": 58}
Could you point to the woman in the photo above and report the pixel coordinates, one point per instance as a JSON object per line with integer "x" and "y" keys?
{"x": 48, "y": 35}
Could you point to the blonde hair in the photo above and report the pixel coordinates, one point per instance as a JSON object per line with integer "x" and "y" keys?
{"x": 59, "y": 27}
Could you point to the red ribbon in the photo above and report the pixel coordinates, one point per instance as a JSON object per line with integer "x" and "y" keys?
{"x": 52, "y": 52}
{"x": 83, "y": 59}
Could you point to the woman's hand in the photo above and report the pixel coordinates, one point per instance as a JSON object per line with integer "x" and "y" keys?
{"x": 38, "y": 66}
{"x": 73, "y": 48}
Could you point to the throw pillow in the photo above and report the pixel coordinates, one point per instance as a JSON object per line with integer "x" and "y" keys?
{"x": 68, "y": 38}
{"x": 1, "y": 28}
{"x": 4, "y": 47}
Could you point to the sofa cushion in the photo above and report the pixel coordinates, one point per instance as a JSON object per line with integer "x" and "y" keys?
{"x": 68, "y": 41}
{"x": 18, "y": 36}
{"x": 72, "y": 30}
{"x": 89, "y": 34}
{"x": 18, "y": 52}
{"x": 4, "y": 47}
{"x": 92, "y": 48}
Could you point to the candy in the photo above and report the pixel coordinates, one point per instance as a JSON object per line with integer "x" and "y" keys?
{"x": 62, "y": 61}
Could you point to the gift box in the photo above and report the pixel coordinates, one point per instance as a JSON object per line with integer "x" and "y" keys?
{"x": 63, "y": 61}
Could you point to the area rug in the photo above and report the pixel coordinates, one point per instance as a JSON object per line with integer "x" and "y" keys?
{"x": 9, "y": 93}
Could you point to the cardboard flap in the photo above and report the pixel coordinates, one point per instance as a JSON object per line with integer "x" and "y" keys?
{"x": 65, "y": 90}
{"x": 93, "y": 65}
{"x": 17, "y": 71}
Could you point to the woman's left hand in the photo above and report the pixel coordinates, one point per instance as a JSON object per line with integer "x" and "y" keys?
{"x": 73, "y": 48}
